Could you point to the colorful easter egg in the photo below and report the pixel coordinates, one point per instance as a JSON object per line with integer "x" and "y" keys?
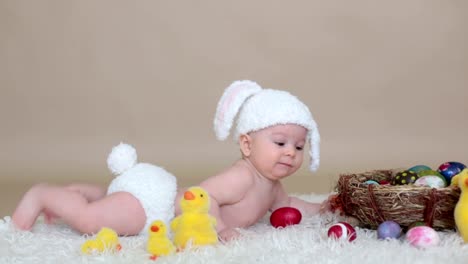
{"x": 450, "y": 169}
{"x": 432, "y": 173}
{"x": 405, "y": 177}
{"x": 415, "y": 224}
{"x": 430, "y": 181}
{"x": 458, "y": 164}
{"x": 342, "y": 231}
{"x": 419, "y": 168}
{"x": 384, "y": 182}
{"x": 285, "y": 216}
{"x": 422, "y": 237}
{"x": 388, "y": 230}
{"x": 371, "y": 182}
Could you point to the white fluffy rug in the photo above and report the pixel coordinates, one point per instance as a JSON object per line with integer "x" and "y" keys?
{"x": 303, "y": 243}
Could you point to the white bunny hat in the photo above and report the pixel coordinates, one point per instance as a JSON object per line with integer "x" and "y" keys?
{"x": 258, "y": 108}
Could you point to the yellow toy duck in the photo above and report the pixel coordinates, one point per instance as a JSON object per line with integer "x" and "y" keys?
{"x": 106, "y": 239}
{"x": 158, "y": 242}
{"x": 461, "y": 209}
{"x": 194, "y": 225}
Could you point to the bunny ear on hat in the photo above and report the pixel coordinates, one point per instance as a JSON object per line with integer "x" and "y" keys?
{"x": 230, "y": 104}
{"x": 314, "y": 151}
{"x": 261, "y": 108}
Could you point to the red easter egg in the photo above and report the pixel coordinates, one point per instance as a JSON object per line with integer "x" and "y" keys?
{"x": 342, "y": 231}
{"x": 384, "y": 182}
{"x": 285, "y": 216}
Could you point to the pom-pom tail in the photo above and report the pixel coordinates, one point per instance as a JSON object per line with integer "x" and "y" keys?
{"x": 121, "y": 158}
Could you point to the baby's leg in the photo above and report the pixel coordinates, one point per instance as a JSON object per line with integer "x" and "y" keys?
{"x": 29, "y": 208}
{"x": 120, "y": 211}
{"x": 89, "y": 191}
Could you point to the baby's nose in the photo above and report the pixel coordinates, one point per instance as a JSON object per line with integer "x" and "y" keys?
{"x": 291, "y": 151}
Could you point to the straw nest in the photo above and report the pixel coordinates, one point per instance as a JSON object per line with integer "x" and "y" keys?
{"x": 404, "y": 204}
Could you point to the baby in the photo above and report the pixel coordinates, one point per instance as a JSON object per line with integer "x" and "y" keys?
{"x": 272, "y": 130}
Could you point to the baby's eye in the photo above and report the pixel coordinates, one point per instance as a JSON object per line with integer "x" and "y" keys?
{"x": 299, "y": 148}
{"x": 279, "y": 143}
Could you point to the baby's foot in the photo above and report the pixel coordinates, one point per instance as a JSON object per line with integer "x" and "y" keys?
{"x": 28, "y": 209}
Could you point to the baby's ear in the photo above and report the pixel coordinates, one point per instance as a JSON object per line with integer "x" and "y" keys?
{"x": 245, "y": 143}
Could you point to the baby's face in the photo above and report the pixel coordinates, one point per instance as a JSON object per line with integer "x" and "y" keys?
{"x": 278, "y": 151}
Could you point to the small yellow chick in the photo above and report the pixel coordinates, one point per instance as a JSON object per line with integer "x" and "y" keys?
{"x": 461, "y": 209}
{"x": 158, "y": 242}
{"x": 106, "y": 239}
{"x": 194, "y": 224}
{"x": 454, "y": 180}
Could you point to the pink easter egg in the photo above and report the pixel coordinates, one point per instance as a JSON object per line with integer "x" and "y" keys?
{"x": 342, "y": 231}
{"x": 422, "y": 237}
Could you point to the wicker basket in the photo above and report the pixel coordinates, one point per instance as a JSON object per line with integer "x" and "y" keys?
{"x": 404, "y": 204}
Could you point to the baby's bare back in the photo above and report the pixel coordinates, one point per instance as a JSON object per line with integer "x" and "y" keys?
{"x": 242, "y": 196}
{"x": 251, "y": 206}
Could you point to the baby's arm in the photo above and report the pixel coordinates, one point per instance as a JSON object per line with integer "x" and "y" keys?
{"x": 226, "y": 188}
{"x": 282, "y": 199}
{"x": 215, "y": 211}
{"x": 308, "y": 207}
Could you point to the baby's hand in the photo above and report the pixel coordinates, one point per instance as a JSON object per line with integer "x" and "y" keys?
{"x": 228, "y": 234}
{"x": 332, "y": 204}
{"x": 325, "y": 207}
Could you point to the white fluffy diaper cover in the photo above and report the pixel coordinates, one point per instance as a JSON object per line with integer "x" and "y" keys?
{"x": 153, "y": 186}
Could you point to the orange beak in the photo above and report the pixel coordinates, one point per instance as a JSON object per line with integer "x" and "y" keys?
{"x": 466, "y": 182}
{"x": 154, "y": 228}
{"x": 188, "y": 195}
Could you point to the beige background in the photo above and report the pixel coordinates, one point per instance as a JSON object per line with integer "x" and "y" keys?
{"x": 385, "y": 80}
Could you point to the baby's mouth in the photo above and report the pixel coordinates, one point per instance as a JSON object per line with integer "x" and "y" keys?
{"x": 285, "y": 164}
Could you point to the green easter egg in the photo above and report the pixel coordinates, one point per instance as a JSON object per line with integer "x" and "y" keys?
{"x": 432, "y": 173}
{"x": 419, "y": 168}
